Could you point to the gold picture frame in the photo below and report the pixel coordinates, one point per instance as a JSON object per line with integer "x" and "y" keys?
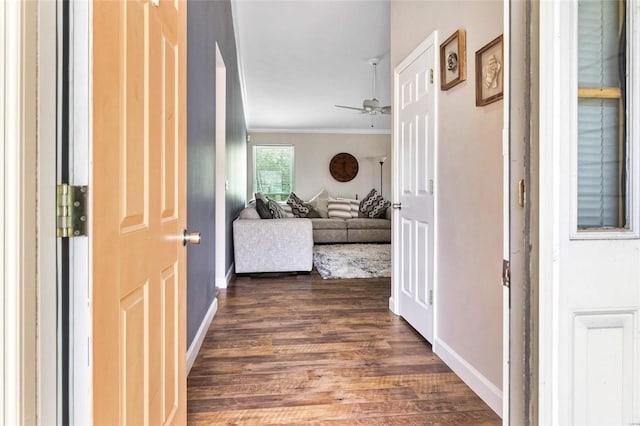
{"x": 453, "y": 60}
{"x": 489, "y": 72}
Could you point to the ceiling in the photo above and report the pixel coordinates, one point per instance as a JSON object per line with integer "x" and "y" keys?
{"x": 298, "y": 58}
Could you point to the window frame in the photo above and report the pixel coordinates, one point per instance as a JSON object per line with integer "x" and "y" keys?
{"x": 632, "y": 164}
{"x": 254, "y": 170}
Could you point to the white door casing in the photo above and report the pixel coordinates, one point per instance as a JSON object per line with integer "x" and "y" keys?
{"x": 589, "y": 342}
{"x": 49, "y": 351}
{"x": 415, "y": 97}
{"x": 221, "y": 170}
{"x": 18, "y": 176}
{"x": 79, "y": 173}
{"x": 506, "y": 214}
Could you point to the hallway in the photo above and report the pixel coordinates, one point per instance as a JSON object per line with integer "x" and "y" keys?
{"x": 300, "y": 350}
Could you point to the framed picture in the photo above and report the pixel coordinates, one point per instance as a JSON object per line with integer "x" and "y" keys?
{"x": 489, "y": 73}
{"x": 453, "y": 60}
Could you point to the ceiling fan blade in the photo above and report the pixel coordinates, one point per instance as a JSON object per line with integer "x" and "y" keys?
{"x": 348, "y": 107}
{"x": 386, "y": 109}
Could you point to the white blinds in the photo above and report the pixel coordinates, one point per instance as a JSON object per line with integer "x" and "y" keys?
{"x": 599, "y": 123}
{"x": 598, "y": 37}
{"x": 598, "y": 180}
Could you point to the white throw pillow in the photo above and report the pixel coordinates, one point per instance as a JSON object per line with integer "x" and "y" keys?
{"x": 339, "y": 208}
{"x": 319, "y": 202}
{"x": 355, "y": 206}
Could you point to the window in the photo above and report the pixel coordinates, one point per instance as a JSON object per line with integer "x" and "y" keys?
{"x": 273, "y": 170}
{"x": 602, "y": 115}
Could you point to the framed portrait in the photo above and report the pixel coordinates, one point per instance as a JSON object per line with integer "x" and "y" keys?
{"x": 453, "y": 60}
{"x": 489, "y": 72}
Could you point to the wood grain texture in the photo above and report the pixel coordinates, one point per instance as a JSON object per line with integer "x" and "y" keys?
{"x": 302, "y": 350}
{"x": 139, "y": 194}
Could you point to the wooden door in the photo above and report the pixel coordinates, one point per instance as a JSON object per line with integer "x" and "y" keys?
{"x": 414, "y": 147}
{"x": 139, "y": 212}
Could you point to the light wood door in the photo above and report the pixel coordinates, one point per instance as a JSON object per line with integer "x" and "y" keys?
{"x": 414, "y": 147}
{"x": 139, "y": 212}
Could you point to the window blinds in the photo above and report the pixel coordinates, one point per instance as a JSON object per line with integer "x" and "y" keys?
{"x": 600, "y": 114}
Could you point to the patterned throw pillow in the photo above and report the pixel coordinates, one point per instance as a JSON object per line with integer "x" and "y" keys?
{"x": 299, "y": 208}
{"x": 373, "y": 205}
{"x": 276, "y": 210}
{"x": 262, "y": 206}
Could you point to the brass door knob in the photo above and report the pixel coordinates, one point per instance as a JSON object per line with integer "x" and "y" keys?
{"x": 190, "y": 238}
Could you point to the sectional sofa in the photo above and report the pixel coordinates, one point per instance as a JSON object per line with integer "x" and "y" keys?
{"x": 286, "y": 245}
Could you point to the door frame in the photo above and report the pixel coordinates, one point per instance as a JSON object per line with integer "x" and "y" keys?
{"x": 220, "y": 169}
{"x": 506, "y": 212}
{"x": 49, "y": 355}
{"x": 79, "y": 261}
{"x": 18, "y": 175}
{"x": 394, "y": 299}
{"x": 521, "y": 113}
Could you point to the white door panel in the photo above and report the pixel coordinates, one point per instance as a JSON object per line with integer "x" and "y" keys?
{"x": 589, "y": 278}
{"x": 413, "y": 252}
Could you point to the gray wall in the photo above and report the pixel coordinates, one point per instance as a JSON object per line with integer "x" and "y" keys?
{"x": 210, "y": 22}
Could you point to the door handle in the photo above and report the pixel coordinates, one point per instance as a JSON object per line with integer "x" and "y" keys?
{"x": 397, "y": 206}
{"x": 190, "y": 238}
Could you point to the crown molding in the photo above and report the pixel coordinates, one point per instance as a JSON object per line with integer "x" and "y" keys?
{"x": 236, "y": 34}
{"x": 334, "y": 131}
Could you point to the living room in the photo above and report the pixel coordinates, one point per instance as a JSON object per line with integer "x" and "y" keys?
{"x": 469, "y": 298}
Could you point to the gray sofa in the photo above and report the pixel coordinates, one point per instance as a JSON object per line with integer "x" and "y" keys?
{"x": 356, "y": 230}
{"x": 286, "y": 245}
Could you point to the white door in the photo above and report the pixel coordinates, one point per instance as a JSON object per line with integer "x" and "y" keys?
{"x": 414, "y": 161}
{"x": 589, "y": 353}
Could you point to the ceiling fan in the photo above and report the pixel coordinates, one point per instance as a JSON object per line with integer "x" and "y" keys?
{"x": 371, "y": 106}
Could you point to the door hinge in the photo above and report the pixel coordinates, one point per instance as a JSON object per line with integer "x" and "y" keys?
{"x": 431, "y": 76}
{"x": 430, "y": 296}
{"x": 506, "y": 273}
{"x": 430, "y": 186}
{"x": 71, "y": 201}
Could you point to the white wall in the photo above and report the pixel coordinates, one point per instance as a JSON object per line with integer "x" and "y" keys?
{"x": 313, "y": 152}
{"x": 469, "y": 185}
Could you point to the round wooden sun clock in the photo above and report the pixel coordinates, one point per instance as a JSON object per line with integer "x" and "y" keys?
{"x": 343, "y": 167}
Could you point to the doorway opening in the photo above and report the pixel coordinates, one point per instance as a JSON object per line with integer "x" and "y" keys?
{"x": 221, "y": 182}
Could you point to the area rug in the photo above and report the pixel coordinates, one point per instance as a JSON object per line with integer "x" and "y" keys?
{"x": 335, "y": 261}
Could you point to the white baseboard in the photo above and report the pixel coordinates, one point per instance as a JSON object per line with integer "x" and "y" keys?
{"x": 482, "y": 386}
{"x": 393, "y": 307}
{"x": 195, "y": 346}
{"x": 223, "y": 282}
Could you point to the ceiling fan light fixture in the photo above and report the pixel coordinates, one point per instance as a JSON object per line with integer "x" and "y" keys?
{"x": 372, "y": 106}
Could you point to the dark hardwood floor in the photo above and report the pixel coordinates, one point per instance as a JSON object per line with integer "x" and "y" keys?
{"x": 300, "y": 350}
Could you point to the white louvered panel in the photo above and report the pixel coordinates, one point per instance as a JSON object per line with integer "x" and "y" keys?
{"x": 598, "y": 119}
{"x": 598, "y": 162}
{"x": 598, "y": 43}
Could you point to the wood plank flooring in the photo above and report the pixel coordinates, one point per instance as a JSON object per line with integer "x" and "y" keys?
{"x": 302, "y": 350}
